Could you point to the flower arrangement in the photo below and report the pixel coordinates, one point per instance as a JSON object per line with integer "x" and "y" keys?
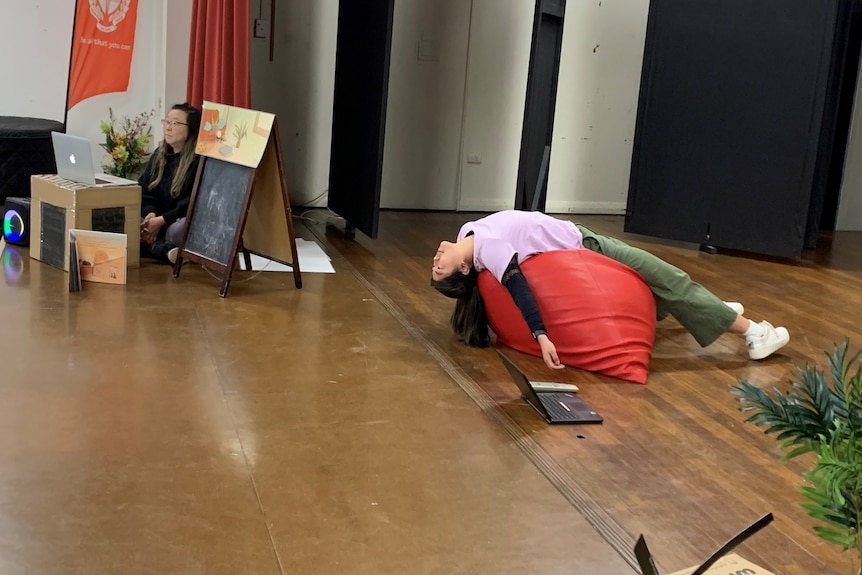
{"x": 126, "y": 142}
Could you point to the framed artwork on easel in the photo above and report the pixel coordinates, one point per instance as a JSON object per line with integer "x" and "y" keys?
{"x": 239, "y": 196}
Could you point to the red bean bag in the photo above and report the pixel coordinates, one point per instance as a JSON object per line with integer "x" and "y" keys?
{"x": 599, "y": 313}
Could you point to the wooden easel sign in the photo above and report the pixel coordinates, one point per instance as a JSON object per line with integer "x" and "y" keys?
{"x": 240, "y": 181}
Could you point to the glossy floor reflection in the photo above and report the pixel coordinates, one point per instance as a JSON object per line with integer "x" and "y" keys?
{"x": 158, "y": 428}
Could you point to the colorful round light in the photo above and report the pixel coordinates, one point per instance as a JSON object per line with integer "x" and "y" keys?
{"x": 13, "y": 226}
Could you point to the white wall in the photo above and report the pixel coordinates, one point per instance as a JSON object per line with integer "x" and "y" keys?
{"x": 297, "y": 86}
{"x": 173, "y": 65}
{"x": 35, "y": 44}
{"x": 42, "y": 33}
{"x": 497, "y": 65}
{"x": 426, "y": 164}
{"x": 597, "y": 96}
{"x": 466, "y": 100}
{"x": 425, "y": 104}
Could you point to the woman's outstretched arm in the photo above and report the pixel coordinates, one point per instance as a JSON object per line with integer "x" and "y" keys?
{"x": 516, "y": 283}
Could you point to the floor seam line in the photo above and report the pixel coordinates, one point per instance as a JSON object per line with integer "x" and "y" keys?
{"x": 249, "y": 470}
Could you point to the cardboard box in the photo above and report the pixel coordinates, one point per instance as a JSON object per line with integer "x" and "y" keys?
{"x": 59, "y": 205}
{"x": 721, "y": 562}
{"x": 732, "y": 563}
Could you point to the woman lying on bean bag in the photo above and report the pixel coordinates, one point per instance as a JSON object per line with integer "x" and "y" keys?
{"x": 501, "y": 242}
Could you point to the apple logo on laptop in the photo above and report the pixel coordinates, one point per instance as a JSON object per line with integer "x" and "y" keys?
{"x": 72, "y": 158}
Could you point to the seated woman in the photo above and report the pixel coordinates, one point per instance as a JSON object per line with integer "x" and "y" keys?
{"x": 501, "y": 241}
{"x": 166, "y": 184}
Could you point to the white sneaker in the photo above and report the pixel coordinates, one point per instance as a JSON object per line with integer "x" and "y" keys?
{"x": 735, "y": 306}
{"x": 771, "y": 341}
{"x": 172, "y": 255}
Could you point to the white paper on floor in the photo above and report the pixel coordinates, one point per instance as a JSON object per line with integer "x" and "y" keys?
{"x": 311, "y": 259}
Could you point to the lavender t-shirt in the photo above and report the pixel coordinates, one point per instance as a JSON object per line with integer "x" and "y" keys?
{"x": 503, "y": 234}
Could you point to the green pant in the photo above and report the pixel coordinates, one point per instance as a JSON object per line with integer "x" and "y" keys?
{"x": 701, "y": 313}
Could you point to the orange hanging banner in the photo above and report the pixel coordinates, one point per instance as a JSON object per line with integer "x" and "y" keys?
{"x": 102, "y": 45}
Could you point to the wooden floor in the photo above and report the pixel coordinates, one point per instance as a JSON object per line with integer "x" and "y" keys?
{"x": 673, "y": 459}
{"x": 340, "y": 428}
{"x": 158, "y": 428}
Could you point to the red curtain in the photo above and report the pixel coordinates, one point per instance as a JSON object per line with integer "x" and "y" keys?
{"x": 219, "y": 52}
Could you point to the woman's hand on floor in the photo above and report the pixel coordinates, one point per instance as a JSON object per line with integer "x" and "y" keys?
{"x": 549, "y": 352}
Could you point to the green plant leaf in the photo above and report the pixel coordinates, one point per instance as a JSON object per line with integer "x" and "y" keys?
{"x": 823, "y": 415}
{"x": 833, "y": 536}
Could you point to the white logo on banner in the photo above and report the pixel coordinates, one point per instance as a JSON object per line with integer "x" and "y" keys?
{"x": 108, "y": 13}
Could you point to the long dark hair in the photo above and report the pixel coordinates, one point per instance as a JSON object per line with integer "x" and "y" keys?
{"x": 187, "y": 154}
{"x": 469, "y": 320}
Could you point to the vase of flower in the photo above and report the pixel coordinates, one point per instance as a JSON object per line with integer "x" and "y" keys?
{"x": 126, "y": 142}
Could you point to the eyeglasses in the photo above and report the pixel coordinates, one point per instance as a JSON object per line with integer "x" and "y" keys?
{"x": 173, "y": 123}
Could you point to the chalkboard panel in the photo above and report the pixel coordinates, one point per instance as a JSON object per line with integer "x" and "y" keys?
{"x": 216, "y": 213}
{"x": 109, "y": 220}
{"x": 54, "y": 236}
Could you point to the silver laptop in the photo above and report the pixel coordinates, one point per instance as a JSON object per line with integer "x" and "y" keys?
{"x": 74, "y": 158}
